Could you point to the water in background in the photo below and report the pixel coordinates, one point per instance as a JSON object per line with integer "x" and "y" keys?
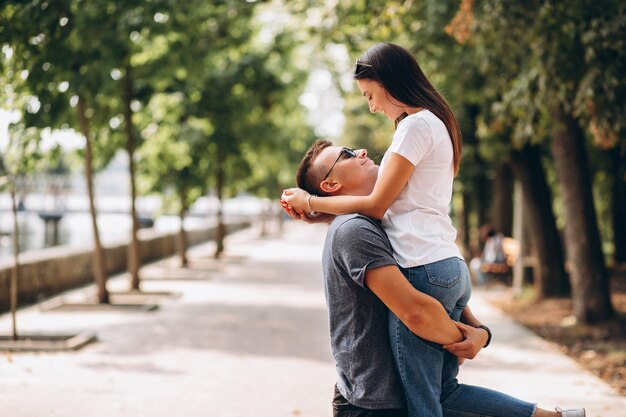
{"x": 114, "y": 223}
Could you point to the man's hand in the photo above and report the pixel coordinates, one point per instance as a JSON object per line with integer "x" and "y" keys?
{"x": 474, "y": 341}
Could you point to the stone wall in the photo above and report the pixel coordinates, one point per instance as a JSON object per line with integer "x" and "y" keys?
{"x": 46, "y": 272}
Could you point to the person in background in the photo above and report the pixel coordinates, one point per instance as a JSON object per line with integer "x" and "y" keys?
{"x": 498, "y": 256}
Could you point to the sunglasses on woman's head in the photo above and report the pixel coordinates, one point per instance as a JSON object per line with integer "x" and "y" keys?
{"x": 346, "y": 153}
{"x": 361, "y": 67}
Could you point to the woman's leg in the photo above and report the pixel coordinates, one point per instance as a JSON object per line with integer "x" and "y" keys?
{"x": 420, "y": 362}
{"x": 468, "y": 400}
{"x": 459, "y": 400}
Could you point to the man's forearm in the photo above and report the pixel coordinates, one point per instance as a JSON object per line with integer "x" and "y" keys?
{"x": 429, "y": 320}
{"x": 421, "y": 313}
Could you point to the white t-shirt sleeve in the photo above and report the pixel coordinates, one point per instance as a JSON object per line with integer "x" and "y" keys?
{"x": 413, "y": 140}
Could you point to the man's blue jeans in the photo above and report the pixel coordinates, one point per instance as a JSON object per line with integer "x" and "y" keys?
{"x": 428, "y": 371}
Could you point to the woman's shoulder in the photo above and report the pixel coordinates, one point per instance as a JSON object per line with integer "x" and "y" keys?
{"x": 426, "y": 123}
{"x": 423, "y": 118}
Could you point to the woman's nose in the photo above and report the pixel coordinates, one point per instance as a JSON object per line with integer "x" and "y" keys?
{"x": 362, "y": 153}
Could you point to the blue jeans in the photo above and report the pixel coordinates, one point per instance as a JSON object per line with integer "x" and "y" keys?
{"x": 428, "y": 371}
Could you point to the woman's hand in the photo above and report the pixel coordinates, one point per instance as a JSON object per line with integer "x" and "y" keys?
{"x": 469, "y": 347}
{"x": 306, "y": 217}
{"x": 297, "y": 199}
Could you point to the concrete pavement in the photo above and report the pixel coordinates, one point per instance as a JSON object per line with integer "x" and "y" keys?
{"x": 248, "y": 337}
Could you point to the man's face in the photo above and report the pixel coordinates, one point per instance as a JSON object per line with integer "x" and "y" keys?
{"x": 355, "y": 176}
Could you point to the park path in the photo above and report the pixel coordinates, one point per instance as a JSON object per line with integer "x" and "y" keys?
{"x": 247, "y": 337}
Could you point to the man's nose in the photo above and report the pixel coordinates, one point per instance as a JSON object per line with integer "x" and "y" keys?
{"x": 361, "y": 153}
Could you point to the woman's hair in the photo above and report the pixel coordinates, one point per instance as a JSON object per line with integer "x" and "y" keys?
{"x": 308, "y": 177}
{"x": 399, "y": 73}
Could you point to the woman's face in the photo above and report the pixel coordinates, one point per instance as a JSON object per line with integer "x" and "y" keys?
{"x": 379, "y": 100}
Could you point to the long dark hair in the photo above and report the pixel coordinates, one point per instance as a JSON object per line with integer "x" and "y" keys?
{"x": 401, "y": 76}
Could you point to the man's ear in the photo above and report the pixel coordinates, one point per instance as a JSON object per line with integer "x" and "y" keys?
{"x": 330, "y": 187}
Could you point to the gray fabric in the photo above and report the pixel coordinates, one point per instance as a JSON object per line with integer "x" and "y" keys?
{"x": 358, "y": 319}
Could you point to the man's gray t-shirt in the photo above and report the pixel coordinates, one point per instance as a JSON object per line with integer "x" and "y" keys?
{"x": 358, "y": 319}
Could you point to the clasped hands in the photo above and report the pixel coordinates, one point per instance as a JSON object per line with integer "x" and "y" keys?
{"x": 473, "y": 341}
{"x": 295, "y": 202}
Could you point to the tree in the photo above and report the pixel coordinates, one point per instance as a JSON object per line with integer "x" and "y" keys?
{"x": 57, "y": 49}
{"x": 242, "y": 89}
{"x": 551, "y": 276}
{"x": 18, "y": 160}
{"x": 548, "y": 97}
{"x": 173, "y": 156}
{"x": 127, "y": 32}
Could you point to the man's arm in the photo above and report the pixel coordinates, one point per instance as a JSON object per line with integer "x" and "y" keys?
{"x": 421, "y": 313}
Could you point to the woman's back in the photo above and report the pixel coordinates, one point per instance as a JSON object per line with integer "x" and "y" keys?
{"x": 417, "y": 222}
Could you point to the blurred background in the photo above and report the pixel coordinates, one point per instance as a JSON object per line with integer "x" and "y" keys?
{"x": 161, "y": 113}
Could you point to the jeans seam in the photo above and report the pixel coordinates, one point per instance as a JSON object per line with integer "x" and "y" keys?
{"x": 470, "y": 414}
{"x": 400, "y": 351}
{"x": 464, "y": 413}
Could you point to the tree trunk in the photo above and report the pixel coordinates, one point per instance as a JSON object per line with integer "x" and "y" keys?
{"x": 502, "y": 204}
{"x": 220, "y": 231}
{"x": 134, "y": 254}
{"x": 15, "y": 272}
{"x": 464, "y": 218}
{"x": 618, "y": 202}
{"x": 99, "y": 260}
{"x": 482, "y": 191}
{"x": 551, "y": 278}
{"x": 483, "y": 195}
{"x": 182, "y": 235}
{"x": 590, "y": 283}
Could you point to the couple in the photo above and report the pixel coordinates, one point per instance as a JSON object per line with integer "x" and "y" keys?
{"x": 412, "y": 266}
{"x": 379, "y": 374}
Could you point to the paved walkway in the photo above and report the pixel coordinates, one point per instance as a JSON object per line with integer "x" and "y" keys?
{"x": 247, "y": 337}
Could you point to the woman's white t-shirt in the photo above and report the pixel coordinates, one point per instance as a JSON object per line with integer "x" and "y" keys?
{"x": 417, "y": 222}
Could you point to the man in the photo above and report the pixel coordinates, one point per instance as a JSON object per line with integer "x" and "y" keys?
{"x": 361, "y": 281}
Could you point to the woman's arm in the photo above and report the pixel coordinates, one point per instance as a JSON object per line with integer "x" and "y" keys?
{"x": 388, "y": 186}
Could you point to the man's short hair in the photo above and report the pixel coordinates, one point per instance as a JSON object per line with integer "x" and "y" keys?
{"x": 309, "y": 177}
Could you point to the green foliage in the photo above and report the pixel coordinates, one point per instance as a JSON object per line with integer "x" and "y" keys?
{"x": 23, "y": 154}
{"x": 205, "y": 84}
{"x": 537, "y": 54}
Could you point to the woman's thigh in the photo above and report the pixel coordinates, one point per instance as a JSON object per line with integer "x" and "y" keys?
{"x": 447, "y": 280}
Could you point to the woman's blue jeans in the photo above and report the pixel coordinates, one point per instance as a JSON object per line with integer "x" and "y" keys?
{"x": 428, "y": 371}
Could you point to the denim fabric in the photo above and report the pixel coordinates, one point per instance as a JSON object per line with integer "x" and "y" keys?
{"x": 343, "y": 408}
{"x": 428, "y": 372}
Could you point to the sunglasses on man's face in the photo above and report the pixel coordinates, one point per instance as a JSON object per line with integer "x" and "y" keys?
{"x": 345, "y": 153}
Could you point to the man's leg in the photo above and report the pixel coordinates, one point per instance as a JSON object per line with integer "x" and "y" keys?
{"x": 342, "y": 408}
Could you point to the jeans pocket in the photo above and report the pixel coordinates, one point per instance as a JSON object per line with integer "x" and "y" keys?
{"x": 445, "y": 273}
